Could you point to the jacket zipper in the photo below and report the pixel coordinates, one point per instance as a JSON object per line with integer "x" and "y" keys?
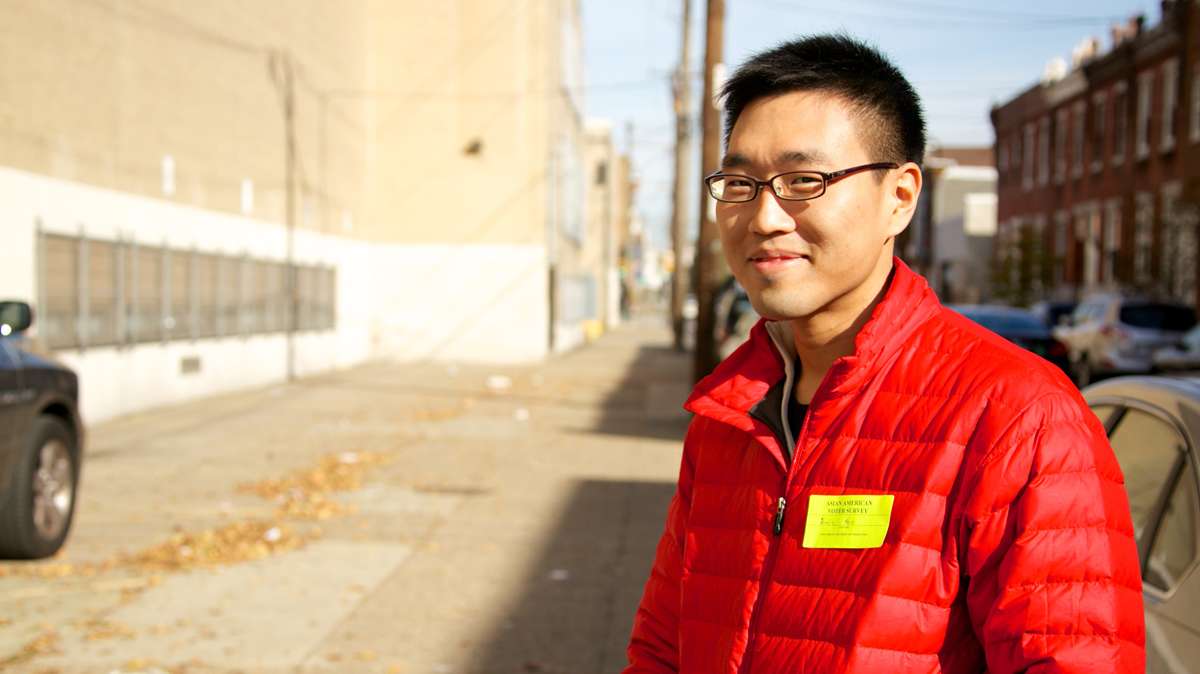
{"x": 776, "y": 534}
{"x": 779, "y": 512}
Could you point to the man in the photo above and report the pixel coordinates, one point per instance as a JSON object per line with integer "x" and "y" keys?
{"x": 872, "y": 483}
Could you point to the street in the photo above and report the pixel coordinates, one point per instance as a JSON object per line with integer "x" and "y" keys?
{"x": 399, "y": 518}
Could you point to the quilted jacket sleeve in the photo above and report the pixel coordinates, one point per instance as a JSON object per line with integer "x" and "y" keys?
{"x": 1053, "y": 581}
{"x": 654, "y": 646}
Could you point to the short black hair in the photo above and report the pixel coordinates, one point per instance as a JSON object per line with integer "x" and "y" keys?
{"x": 888, "y": 107}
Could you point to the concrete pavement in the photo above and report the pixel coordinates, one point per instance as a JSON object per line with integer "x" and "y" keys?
{"x": 424, "y": 518}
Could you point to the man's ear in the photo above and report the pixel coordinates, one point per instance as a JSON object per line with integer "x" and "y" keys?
{"x": 906, "y": 192}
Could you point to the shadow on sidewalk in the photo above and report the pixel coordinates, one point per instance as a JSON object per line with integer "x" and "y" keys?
{"x": 574, "y": 610}
{"x": 648, "y": 402}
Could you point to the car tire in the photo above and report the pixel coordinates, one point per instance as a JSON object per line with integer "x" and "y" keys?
{"x": 40, "y": 502}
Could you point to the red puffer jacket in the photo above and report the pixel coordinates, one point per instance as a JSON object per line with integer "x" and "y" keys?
{"x": 1009, "y": 546}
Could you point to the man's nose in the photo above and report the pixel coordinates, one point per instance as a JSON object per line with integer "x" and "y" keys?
{"x": 768, "y": 215}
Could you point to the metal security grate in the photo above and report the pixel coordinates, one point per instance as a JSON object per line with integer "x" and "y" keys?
{"x": 98, "y": 292}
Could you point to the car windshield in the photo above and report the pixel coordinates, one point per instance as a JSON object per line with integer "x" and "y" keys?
{"x": 1158, "y": 316}
{"x": 1006, "y": 322}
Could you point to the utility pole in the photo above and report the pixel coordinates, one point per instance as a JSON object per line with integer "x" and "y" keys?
{"x": 682, "y": 92}
{"x": 707, "y": 245}
{"x": 284, "y": 77}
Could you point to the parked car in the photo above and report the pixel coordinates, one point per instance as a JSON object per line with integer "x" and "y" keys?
{"x": 41, "y": 442}
{"x": 1153, "y": 424}
{"x": 1019, "y": 326}
{"x": 1183, "y": 356}
{"x": 1112, "y": 334}
{"x": 1053, "y": 314}
{"x": 734, "y": 316}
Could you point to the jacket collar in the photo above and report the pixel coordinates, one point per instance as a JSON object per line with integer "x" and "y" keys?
{"x": 746, "y": 376}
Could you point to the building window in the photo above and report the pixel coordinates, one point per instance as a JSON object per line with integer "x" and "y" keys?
{"x": 570, "y": 181}
{"x": 1170, "y": 98}
{"x": 1167, "y": 236}
{"x": 278, "y": 302}
{"x": 1112, "y": 239}
{"x": 1060, "y": 144}
{"x": 179, "y": 320}
{"x": 99, "y": 293}
{"x": 146, "y": 281}
{"x": 205, "y": 294}
{"x": 60, "y": 291}
{"x": 1039, "y": 262}
{"x": 1090, "y": 219}
{"x": 1015, "y": 166}
{"x": 328, "y": 298}
{"x": 1143, "y": 243}
{"x": 1079, "y": 239}
{"x": 1099, "y": 124}
{"x": 1194, "y": 112}
{"x": 1142, "y": 130}
{"x": 1001, "y": 156}
{"x": 1027, "y": 160}
{"x": 1178, "y": 252}
{"x": 1014, "y": 253}
{"x": 1062, "y": 222}
{"x": 1120, "y": 122}
{"x": 306, "y": 289}
{"x": 1186, "y": 252}
{"x": 1043, "y": 169}
{"x": 252, "y": 296}
{"x": 100, "y": 310}
{"x": 1078, "y": 139}
{"x": 229, "y": 296}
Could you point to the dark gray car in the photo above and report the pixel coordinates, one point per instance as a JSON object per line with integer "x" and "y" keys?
{"x": 1153, "y": 424}
{"x": 41, "y": 442}
{"x": 1019, "y": 326}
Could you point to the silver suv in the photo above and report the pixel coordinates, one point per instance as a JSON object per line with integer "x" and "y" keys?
{"x": 1114, "y": 334}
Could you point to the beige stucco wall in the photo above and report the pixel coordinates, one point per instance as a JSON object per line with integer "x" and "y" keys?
{"x": 100, "y": 92}
{"x": 461, "y": 119}
{"x": 389, "y": 96}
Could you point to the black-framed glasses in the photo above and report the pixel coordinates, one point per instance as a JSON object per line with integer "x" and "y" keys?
{"x": 733, "y": 188}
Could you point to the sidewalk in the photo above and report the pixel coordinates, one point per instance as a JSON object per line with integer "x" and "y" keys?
{"x": 507, "y": 526}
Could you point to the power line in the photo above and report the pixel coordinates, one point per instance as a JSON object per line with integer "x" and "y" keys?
{"x": 960, "y": 18}
{"x": 1000, "y": 14}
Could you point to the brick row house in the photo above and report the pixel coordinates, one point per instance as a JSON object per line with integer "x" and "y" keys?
{"x": 1099, "y": 169}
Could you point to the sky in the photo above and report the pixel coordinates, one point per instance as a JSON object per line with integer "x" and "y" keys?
{"x": 961, "y": 56}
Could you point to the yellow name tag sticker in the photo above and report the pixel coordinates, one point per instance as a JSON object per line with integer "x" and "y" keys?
{"x": 847, "y": 521}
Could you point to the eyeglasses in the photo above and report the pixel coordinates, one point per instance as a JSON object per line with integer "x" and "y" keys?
{"x": 791, "y": 186}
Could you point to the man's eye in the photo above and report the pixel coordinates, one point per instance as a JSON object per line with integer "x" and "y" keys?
{"x": 804, "y": 181}
{"x": 737, "y": 183}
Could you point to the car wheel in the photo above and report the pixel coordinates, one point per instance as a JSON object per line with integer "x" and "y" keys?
{"x": 41, "y": 496}
{"x": 1083, "y": 371}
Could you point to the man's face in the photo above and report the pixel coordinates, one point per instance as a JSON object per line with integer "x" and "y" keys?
{"x": 796, "y": 258}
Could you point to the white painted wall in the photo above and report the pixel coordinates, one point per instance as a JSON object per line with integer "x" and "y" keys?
{"x": 476, "y": 303}
{"x": 482, "y": 303}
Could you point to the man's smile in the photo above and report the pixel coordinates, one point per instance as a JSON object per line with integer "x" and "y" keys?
{"x": 770, "y": 261}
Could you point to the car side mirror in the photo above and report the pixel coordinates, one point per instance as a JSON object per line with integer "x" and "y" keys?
{"x": 15, "y": 317}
